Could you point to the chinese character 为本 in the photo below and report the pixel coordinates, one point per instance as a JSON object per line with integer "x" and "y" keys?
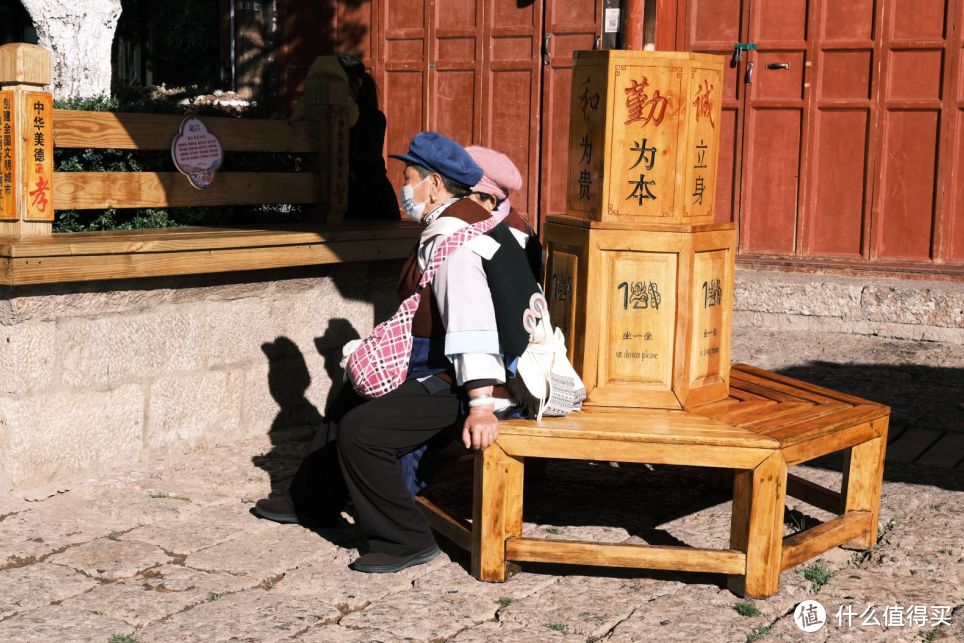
{"x": 643, "y": 107}
{"x": 641, "y": 191}
{"x": 643, "y": 153}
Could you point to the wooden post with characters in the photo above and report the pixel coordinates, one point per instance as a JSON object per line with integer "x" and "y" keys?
{"x": 26, "y": 142}
{"x": 638, "y": 274}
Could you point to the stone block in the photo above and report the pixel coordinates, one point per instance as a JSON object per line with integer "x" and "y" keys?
{"x": 110, "y": 350}
{"x": 111, "y": 559}
{"x": 264, "y": 555}
{"x": 62, "y": 434}
{"x": 159, "y": 593}
{"x": 254, "y": 615}
{"x": 338, "y": 634}
{"x": 62, "y": 624}
{"x": 283, "y": 393}
{"x": 236, "y": 330}
{"x": 196, "y": 532}
{"x": 27, "y": 357}
{"x": 26, "y": 588}
{"x": 201, "y": 407}
{"x": 60, "y": 301}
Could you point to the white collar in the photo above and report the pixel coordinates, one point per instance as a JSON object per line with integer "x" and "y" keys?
{"x": 434, "y": 214}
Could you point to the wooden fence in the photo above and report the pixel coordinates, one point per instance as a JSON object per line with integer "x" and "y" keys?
{"x": 31, "y": 253}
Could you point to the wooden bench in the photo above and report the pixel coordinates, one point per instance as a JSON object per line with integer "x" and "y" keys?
{"x": 768, "y": 424}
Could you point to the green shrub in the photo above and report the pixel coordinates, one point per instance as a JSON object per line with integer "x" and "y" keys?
{"x": 113, "y": 160}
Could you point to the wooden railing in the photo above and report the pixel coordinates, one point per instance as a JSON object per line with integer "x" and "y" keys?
{"x": 30, "y": 253}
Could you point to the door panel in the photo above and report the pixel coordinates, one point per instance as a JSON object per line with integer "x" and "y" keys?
{"x": 511, "y": 84}
{"x": 835, "y": 216}
{"x": 402, "y": 74}
{"x": 906, "y": 224}
{"x": 952, "y": 230}
{"x": 455, "y": 69}
{"x": 775, "y": 128}
{"x": 571, "y": 25}
{"x": 713, "y": 28}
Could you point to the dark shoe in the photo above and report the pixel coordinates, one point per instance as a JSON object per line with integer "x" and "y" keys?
{"x": 378, "y": 563}
{"x": 277, "y": 509}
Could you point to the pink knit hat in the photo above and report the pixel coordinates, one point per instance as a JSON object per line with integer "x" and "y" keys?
{"x": 500, "y": 175}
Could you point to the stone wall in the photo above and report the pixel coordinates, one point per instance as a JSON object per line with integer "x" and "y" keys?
{"x": 98, "y": 373}
{"x": 895, "y": 308}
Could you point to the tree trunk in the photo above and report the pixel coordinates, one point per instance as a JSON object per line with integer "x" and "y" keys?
{"x": 79, "y": 34}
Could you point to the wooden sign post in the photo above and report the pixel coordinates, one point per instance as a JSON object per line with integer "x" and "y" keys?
{"x": 639, "y": 276}
{"x": 26, "y": 141}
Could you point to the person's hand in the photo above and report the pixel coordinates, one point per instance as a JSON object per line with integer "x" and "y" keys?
{"x": 481, "y": 428}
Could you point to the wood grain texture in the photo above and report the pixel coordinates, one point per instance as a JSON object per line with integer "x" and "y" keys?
{"x": 72, "y": 268}
{"x": 488, "y": 516}
{"x": 648, "y": 452}
{"x": 446, "y": 523}
{"x": 808, "y": 544}
{"x": 574, "y": 552}
{"x": 863, "y": 477}
{"x": 814, "y": 494}
{"x": 95, "y": 190}
{"x": 155, "y": 132}
{"x": 759, "y": 496}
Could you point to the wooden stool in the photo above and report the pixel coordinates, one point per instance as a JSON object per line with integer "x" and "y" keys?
{"x": 768, "y": 424}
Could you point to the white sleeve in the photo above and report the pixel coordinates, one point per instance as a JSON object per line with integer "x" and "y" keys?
{"x": 465, "y": 303}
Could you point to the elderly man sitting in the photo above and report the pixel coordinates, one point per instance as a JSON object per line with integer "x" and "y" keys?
{"x": 461, "y": 344}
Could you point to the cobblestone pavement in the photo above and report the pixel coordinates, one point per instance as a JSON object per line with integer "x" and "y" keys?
{"x": 168, "y": 550}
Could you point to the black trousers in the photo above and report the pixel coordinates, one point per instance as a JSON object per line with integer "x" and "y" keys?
{"x": 356, "y": 452}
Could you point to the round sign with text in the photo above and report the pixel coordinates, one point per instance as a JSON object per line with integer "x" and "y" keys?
{"x": 810, "y": 616}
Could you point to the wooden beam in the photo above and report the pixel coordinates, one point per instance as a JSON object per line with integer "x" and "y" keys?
{"x": 95, "y": 190}
{"x": 814, "y": 494}
{"x": 457, "y": 530}
{"x": 822, "y": 538}
{"x": 756, "y": 526}
{"x": 64, "y": 269}
{"x": 155, "y": 132}
{"x": 572, "y": 552}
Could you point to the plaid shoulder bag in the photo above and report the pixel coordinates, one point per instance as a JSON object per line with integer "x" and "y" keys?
{"x": 380, "y": 364}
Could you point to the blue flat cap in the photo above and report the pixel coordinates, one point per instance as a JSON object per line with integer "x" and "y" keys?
{"x": 441, "y": 154}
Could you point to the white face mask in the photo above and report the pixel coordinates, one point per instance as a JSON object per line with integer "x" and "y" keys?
{"x": 412, "y": 209}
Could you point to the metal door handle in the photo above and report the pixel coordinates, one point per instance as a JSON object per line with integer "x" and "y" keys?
{"x": 545, "y": 49}
{"x": 748, "y": 79}
{"x": 778, "y": 65}
{"x": 598, "y": 42}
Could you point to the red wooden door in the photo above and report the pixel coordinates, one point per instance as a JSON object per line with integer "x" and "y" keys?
{"x": 774, "y": 127}
{"x": 511, "y": 86}
{"x": 455, "y": 69}
{"x": 713, "y": 28}
{"x": 951, "y": 230}
{"x": 570, "y": 25}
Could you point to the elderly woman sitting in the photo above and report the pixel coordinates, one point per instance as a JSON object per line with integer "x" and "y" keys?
{"x": 461, "y": 340}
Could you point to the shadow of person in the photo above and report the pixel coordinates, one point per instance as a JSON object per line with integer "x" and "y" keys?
{"x": 288, "y": 382}
{"x": 329, "y": 346}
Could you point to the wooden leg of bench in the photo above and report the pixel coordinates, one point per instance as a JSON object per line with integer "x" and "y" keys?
{"x": 863, "y": 474}
{"x": 496, "y": 511}
{"x": 757, "y": 526}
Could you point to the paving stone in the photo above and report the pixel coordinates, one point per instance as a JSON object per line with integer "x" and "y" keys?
{"x": 26, "y": 588}
{"x": 508, "y": 633}
{"x": 583, "y": 605}
{"x": 111, "y": 559}
{"x": 200, "y": 530}
{"x": 56, "y": 623}
{"x": 33, "y": 534}
{"x": 338, "y": 634}
{"x": 265, "y": 555}
{"x": 333, "y": 581}
{"x": 163, "y": 591}
{"x": 254, "y": 615}
{"x": 442, "y": 604}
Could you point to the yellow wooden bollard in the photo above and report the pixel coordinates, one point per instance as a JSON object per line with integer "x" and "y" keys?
{"x": 639, "y": 276}
{"x": 26, "y": 141}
